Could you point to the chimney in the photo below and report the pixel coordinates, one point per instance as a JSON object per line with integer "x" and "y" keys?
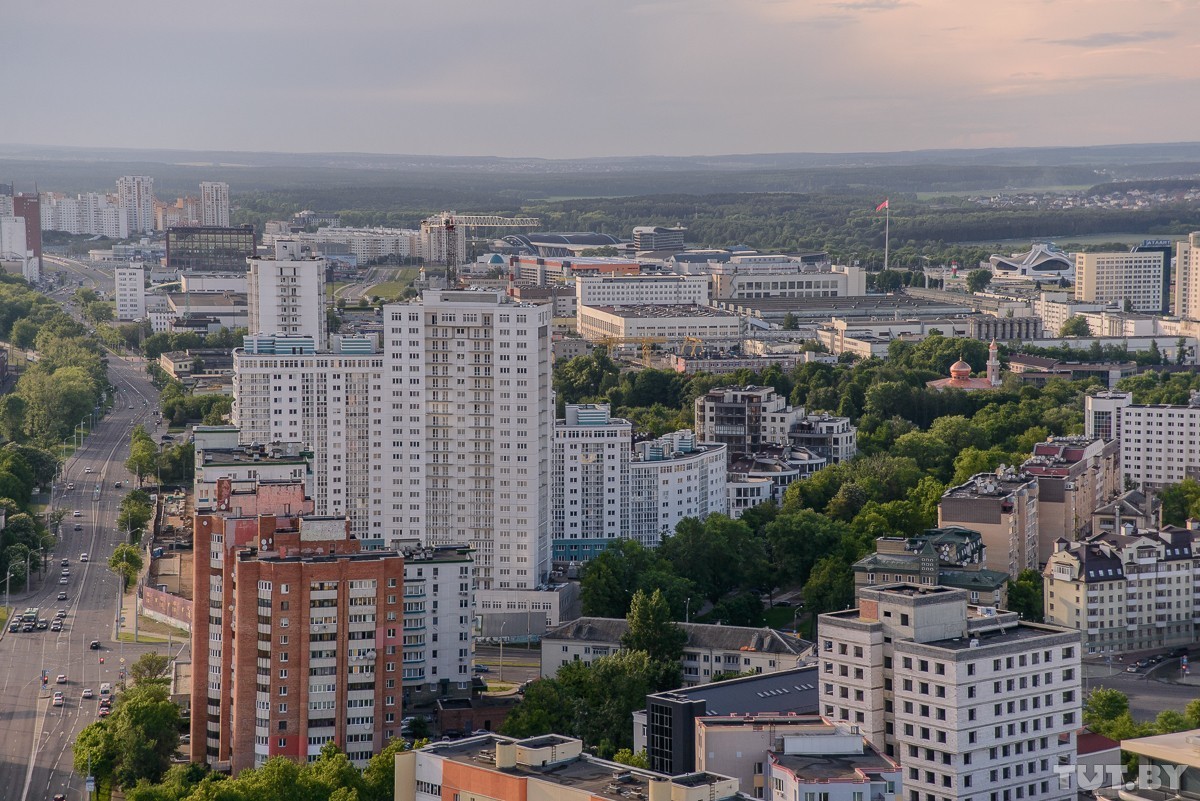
{"x": 506, "y": 755}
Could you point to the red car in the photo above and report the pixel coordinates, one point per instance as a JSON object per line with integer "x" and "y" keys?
{"x": 104, "y": 712}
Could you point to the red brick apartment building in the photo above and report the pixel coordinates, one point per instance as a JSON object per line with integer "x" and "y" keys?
{"x": 300, "y": 642}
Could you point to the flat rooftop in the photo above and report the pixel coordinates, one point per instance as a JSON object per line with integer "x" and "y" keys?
{"x": 836, "y": 767}
{"x": 649, "y": 311}
{"x": 1022, "y": 632}
{"x": 1179, "y": 748}
{"x": 250, "y": 455}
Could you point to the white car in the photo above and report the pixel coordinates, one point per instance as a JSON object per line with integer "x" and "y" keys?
{"x": 83, "y": 557}
{"x": 77, "y": 513}
{"x": 58, "y": 699}
{"x": 87, "y": 469}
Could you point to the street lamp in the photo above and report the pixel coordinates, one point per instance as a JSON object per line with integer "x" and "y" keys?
{"x": 7, "y": 581}
{"x": 28, "y": 574}
{"x": 687, "y": 610}
{"x": 502, "y": 622}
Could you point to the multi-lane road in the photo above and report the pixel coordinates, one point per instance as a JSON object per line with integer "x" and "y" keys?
{"x": 36, "y": 746}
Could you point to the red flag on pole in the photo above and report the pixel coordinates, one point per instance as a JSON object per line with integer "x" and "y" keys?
{"x": 882, "y": 206}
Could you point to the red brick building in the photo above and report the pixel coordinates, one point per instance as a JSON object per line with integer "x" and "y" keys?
{"x": 297, "y": 635}
{"x": 30, "y": 208}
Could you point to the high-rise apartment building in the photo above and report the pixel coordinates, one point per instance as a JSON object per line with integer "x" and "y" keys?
{"x": 1130, "y": 279}
{"x": 130, "y": 291}
{"x": 671, "y": 478}
{"x": 1187, "y": 277}
{"x": 90, "y": 213}
{"x": 467, "y": 421}
{"x": 1076, "y": 476}
{"x": 975, "y": 704}
{"x": 436, "y": 239}
{"x": 286, "y": 294}
{"x": 286, "y": 390}
{"x": 1126, "y": 590}
{"x": 135, "y": 194}
{"x": 12, "y": 238}
{"x": 1102, "y": 412}
{"x": 302, "y": 641}
{"x": 214, "y": 203}
{"x": 29, "y": 208}
{"x": 590, "y": 474}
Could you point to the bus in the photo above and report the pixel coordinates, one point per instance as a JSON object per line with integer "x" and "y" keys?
{"x": 30, "y": 615}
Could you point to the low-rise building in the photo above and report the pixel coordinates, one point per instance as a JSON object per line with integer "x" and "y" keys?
{"x": 1142, "y": 509}
{"x": 710, "y": 651}
{"x": 786, "y": 757}
{"x": 650, "y": 289}
{"x": 1003, "y": 507}
{"x": 943, "y": 557}
{"x": 546, "y": 768}
{"x": 670, "y": 324}
{"x": 1126, "y": 590}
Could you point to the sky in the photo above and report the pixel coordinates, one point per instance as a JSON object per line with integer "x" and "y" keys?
{"x": 575, "y": 78}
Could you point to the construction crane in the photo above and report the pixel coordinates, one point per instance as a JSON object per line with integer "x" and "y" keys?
{"x": 691, "y": 347}
{"x": 449, "y": 222}
{"x": 647, "y": 344}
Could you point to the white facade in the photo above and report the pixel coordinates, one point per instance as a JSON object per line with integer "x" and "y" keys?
{"x": 671, "y": 478}
{"x": 672, "y": 324}
{"x": 972, "y": 702}
{"x": 286, "y": 294}
{"x": 1102, "y": 413}
{"x": 135, "y": 194}
{"x": 1160, "y": 444}
{"x": 214, "y": 203}
{"x": 130, "y": 291}
{"x": 286, "y": 392}
{"x": 435, "y": 240}
{"x": 1135, "y": 278}
{"x": 637, "y": 290}
{"x": 214, "y": 282}
{"x": 439, "y": 610}
{"x": 12, "y": 238}
{"x": 367, "y": 244}
{"x": 1187, "y": 277}
{"x": 467, "y": 424}
{"x": 590, "y": 474}
{"x": 91, "y": 213}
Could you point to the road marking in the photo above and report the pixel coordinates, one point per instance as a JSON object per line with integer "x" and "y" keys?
{"x": 33, "y": 747}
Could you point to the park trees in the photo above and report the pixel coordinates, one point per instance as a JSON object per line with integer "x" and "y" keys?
{"x": 651, "y": 628}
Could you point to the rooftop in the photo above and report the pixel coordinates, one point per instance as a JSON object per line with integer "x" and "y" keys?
{"x": 998, "y": 484}
{"x": 699, "y": 635}
{"x": 1001, "y": 635}
{"x": 811, "y": 768}
{"x": 275, "y": 453}
{"x": 655, "y": 311}
{"x": 1180, "y": 748}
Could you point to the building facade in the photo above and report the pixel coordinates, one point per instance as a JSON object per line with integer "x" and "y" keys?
{"x": 671, "y": 478}
{"x": 1126, "y": 590}
{"x": 639, "y": 290}
{"x": 748, "y": 419}
{"x": 286, "y": 295}
{"x": 941, "y": 557}
{"x": 1003, "y": 507}
{"x": 1076, "y": 476}
{"x": 214, "y": 204}
{"x": 28, "y": 207}
{"x": 1132, "y": 280}
{"x": 1160, "y": 444}
{"x": 1102, "y": 413}
{"x": 130, "y": 291}
{"x": 216, "y": 250}
{"x": 1187, "y": 277}
{"x": 975, "y": 704}
{"x": 666, "y": 324}
{"x": 135, "y": 194}
{"x": 656, "y": 237}
{"x": 590, "y": 474}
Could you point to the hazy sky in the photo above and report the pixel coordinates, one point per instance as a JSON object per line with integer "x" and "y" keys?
{"x": 605, "y": 77}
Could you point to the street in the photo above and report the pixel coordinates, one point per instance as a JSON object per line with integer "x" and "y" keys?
{"x": 36, "y": 751}
{"x": 1147, "y": 694}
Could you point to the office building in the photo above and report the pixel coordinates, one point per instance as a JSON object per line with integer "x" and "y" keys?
{"x": 467, "y": 422}
{"x": 214, "y": 204}
{"x": 776, "y": 277}
{"x": 666, "y": 728}
{"x": 1187, "y": 277}
{"x": 268, "y": 563}
{"x": 286, "y": 294}
{"x": 941, "y": 557}
{"x": 1134, "y": 281}
{"x": 710, "y": 653}
{"x": 287, "y": 390}
{"x": 1126, "y": 590}
{"x": 545, "y": 768}
{"x": 135, "y": 194}
{"x": 974, "y": 703}
{"x": 215, "y": 250}
{"x": 1003, "y": 507}
{"x": 28, "y": 208}
{"x": 656, "y": 237}
{"x": 665, "y": 324}
{"x": 1076, "y": 476}
{"x": 130, "y": 291}
{"x": 1102, "y": 412}
{"x": 1160, "y": 443}
{"x": 788, "y": 757}
{"x": 543, "y": 270}
{"x": 641, "y": 290}
{"x": 590, "y": 474}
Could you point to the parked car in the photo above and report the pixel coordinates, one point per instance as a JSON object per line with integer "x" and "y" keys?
{"x": 482, "y": 669}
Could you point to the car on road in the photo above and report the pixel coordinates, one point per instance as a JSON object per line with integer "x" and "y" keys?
{"x": 77, "y": 513}
{"x": 103, "y": 712}
{"x": 62, "y": 679}
{"x": 1138, "y": 666}
{"x": 83, "y": 557}
{"x": 42, "y": 623}
{"x": 87, "y": 693}
{"x": 87, "y": 469}
{"x": 66, "y": 571}
{"x": 56, "y": 626}
{"x": 66, "y": 562}
{"x": 62, "y": 596}
{"x": 59, "y": 797}
{"x": 79, "y": 527}
{"x": 64, "y": 580}
{"x": 95, "y": 646}
{"x": 61, "y": 613}
{"x": 70, "y": 485}
{"x": 482, "y": 669}
{"x": 27, "y": 627}
{"x": 14, "y": 627}
{"x": 117, "y": 484}
{"x": 58, "y": 699}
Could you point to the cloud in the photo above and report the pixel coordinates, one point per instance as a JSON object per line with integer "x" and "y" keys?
{"x": 1113, "y": 38}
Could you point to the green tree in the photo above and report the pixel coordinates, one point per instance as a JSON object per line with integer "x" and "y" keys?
{"x": 888, "y": 281}
{"x": 626, "y": 756}
{"x": 1180, "y": 501}
{"x": 1075, "y": 326}
{"x": 1104, "y": 705}
{"x": 977, "y": 280}
{"x": 543, "y": 709}
{"x": 1025, "y": 595}
{"x": 651, "y": 628}
{"x": 830, "y": 587}
{"x": 143, "y": 454}
{"x": 126, "y": 562}
{"x": 790, "y": 322}
{"x": 150, "y": 667}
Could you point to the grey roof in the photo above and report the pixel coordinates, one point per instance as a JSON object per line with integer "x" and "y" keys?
{"x": 699, "y": 635}
{"x": 1128, "y": 504}
{"x": 982, "y": 579}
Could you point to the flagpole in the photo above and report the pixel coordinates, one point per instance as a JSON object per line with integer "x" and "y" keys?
{"x": 887, "y": 225}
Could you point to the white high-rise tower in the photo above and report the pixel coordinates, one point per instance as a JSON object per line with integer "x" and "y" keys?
{"x": 286, "y": 294}
{"x": 135, "y": 194}
{"x": 214, "y": 203}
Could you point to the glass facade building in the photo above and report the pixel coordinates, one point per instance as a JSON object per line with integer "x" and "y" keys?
{"x": 210, "y": 249}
